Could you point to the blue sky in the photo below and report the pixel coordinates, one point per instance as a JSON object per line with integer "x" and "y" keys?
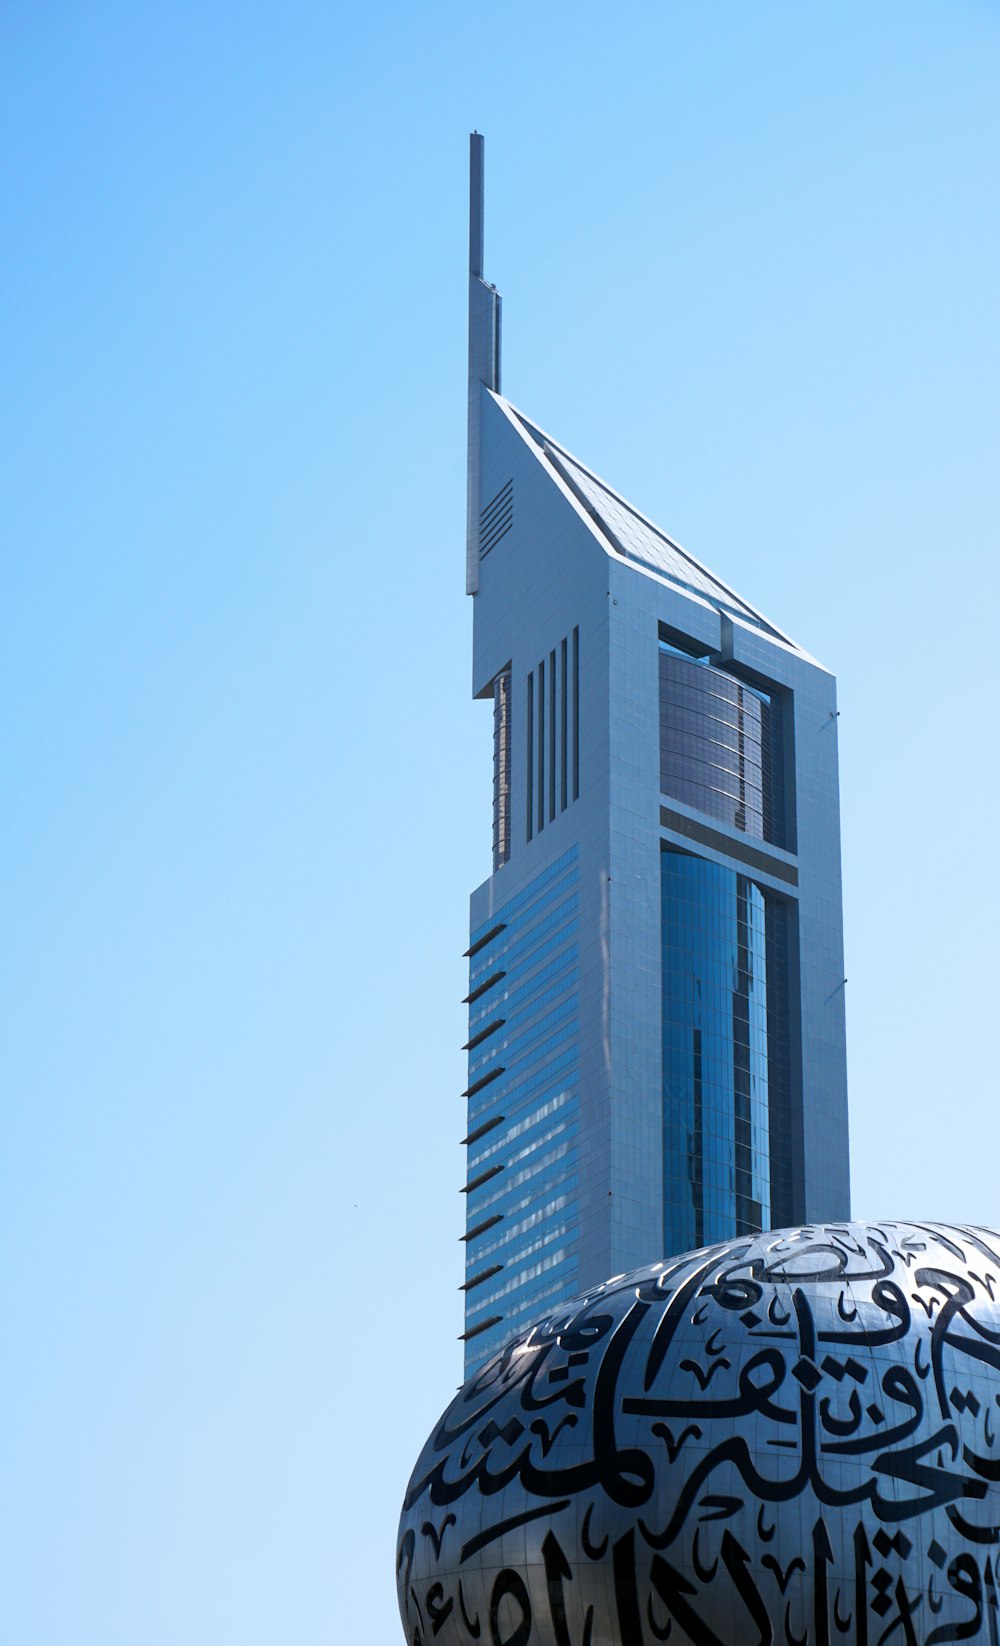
{"x": 748, "y": 255}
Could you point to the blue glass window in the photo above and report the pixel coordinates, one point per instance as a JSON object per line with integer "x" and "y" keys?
{"x": 720, "y": 746}
{"x": 725, "y": 1052}
{"x": 526, "y": 1213}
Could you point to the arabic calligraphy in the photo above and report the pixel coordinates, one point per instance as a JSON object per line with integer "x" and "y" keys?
{"x": 790, "y": 1439}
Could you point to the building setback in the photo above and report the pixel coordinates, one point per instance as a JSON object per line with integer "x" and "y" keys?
{"x": 656, "y": 1005}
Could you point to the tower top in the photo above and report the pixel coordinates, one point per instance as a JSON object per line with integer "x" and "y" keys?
{"x": 477, "y": 156}
{"x": 484, "y": 349}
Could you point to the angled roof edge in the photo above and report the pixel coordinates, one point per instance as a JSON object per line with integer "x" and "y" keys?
{"x": 720, "y": 594}
{"x": 539, "y": 445}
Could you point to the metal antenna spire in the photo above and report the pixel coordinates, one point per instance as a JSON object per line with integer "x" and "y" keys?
{"x": 484, "y": 349}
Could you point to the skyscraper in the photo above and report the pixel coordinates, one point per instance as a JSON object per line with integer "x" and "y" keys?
{"x": 656, "y": 1007}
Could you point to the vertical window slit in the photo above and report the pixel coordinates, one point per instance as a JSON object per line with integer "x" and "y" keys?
{"x": 696, "y": 1165}
{"x": 541, "y": 747}
{"x": 552, "y": 737}
{"x": 563, "y": 710}
{"x": 576, "y": 713}
{"x": 530, "y": 762}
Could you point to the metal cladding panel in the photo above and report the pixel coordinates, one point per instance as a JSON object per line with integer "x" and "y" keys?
{"x": 636, "y": 1179}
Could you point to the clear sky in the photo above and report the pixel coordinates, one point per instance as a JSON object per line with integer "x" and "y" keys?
{"x": 748, "y": 254}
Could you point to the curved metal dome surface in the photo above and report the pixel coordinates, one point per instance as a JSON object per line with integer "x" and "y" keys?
{"x": 790, "y": 1438}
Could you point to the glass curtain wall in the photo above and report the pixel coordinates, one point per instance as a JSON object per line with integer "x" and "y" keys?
{"x": 718, "y": 745}
{"x": 718, "y": 1054}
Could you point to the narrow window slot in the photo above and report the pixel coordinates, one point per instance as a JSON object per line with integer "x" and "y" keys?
{"x": 552, "y": 737}
{"x": 563, "y": 709}
{"x": 530, "y": 762}
{"x": 541, "y": 747}
{"x": 576, "y": 713}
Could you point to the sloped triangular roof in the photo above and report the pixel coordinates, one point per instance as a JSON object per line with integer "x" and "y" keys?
{"x": 635, "y": 538}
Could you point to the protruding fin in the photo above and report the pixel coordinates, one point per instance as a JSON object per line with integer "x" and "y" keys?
{"x": 484, "y": 349}
{"x": 477, "y": 200}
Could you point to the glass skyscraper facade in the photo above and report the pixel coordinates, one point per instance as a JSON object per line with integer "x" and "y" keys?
{"x": 523, "y": 1109}
{"x": 717, "y": 1055}
{"x": 656, "y": 1012}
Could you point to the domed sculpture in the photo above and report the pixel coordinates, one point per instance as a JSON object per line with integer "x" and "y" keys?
{"x": 791, "y": 1438}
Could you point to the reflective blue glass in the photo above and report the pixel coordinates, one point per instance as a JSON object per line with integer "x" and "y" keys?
{"x": 722, "y": 1052}
{"x": 515, "y": 1050}
{"x": 529, "y": 1201}
{"x": 505, "y": 1002}
{"x": 530, "y": 892}
{"x": 525, "y": 1306}
{"x": 719, "y": 746}
{"x": 511, "y": 1100}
